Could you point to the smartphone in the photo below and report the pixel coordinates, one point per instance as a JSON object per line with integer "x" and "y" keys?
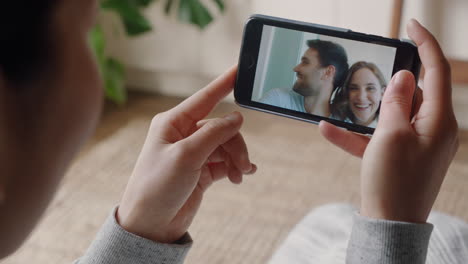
{"x": 312, "y": 72}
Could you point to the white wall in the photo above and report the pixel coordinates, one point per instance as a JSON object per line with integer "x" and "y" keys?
{"x": 447, "y": 19}
{"x": 178, "y": 59}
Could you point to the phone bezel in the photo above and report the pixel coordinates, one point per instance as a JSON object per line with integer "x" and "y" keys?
{"x": 406, "y": 58}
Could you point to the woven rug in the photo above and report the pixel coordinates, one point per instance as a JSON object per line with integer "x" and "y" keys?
{"x": 298, "y": 171}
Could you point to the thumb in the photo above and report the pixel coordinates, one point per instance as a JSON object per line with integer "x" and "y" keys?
{"x": 211, "y": 135}
{"x": 395, "y": 111}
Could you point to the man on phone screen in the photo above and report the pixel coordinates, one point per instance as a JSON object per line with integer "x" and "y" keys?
{"x": 322, "y": 69}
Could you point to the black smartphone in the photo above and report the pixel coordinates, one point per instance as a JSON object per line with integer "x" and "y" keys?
{"x": 313, "y": 72}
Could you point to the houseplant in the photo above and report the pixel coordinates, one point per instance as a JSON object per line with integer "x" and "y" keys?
{"x": 130, "y": 12}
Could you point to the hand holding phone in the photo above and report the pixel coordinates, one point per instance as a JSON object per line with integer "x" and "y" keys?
{"x": 312, "y": 72}
{"x": 405, "y": 162}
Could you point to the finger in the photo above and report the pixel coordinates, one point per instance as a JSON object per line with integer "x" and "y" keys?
{"x": 235, "y": 175}
{"x": 236, "y": 148}
{"x": 219, "y": 155}
{"x": 203, "y": 122}
{"x": 199, "y": 105}
{"x": 417, "y": 101}
{"x": 220, "y": 170}
{"x": 437, "y": 79}
{"x": 252, "y": 171}
{"x": 212, "y": 172}
{"x": 199, "y": 146}
{"x": 237, "y": 151}
{"x": 199, "y": 124}
{"x": 395, "y": 111}
{"x": 350, "y": 142}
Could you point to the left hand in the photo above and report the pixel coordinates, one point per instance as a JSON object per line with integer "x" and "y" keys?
{"x": 405, "y": 162}
{"x": 182, "y": 156}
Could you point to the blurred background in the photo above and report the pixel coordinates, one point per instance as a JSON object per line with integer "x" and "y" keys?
{"x": 176, "y": 59}
{"x": 298, "y": 169}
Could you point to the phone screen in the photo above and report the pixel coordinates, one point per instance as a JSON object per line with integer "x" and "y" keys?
{"x": 336, "y": 78}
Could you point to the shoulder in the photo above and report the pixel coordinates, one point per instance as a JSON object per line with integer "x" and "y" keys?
{"x": 275, "y": 95}
{"x": 284, "y": 98}
{"x": 278, "y": 92}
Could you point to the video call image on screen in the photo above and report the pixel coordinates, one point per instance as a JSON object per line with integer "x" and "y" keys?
{"x": 322, "y": 75}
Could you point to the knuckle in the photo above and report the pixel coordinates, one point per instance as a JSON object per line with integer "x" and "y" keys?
{"x": 445, "y": 64}
{"x": 456, "y": 144}
{"x": 453, "y": 132}
{"x": 159, "y": 121}
{"x": 454, "y": 127}
{"x": 158, "y": 118}
{"x": 217, "y": 124}
{"x": 447, "y": 135}
{"x": 180, "y": 153}
{"x": 450, "y": 126}
{"x": 397, "y": 100}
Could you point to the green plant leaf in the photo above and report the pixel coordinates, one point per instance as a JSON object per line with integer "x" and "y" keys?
{"x": 97, "y": 43}
{"x": 184, "y": 11}
{"x": 134, "y": 21}
{"x": 143, "y": 3}
{"x": 112, "y": 72}
{"x": 114, "y": 81}
{"x": 192, "y": 11}
{"x": 220, "y": 4}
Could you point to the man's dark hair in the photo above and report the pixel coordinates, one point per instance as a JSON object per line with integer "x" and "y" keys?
{"x": 24, "y": 37}
{"x": 330, "y": 53}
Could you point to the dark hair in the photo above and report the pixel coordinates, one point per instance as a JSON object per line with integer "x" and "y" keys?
{"x": 339, "y": 107}
{"x": 24, "y": 38}
{"x": 330, "y": 53}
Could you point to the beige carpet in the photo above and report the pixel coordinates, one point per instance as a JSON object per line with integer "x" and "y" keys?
{"x": 298, "y": 170}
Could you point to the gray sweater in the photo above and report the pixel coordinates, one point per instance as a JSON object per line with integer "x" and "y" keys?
{"x": 372, "y": 241}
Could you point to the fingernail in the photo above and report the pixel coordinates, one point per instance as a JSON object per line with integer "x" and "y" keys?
{"x": 414, "y": 22}
{"x": 246, "y": 160}
{"x": 253, "y": 169}
{"x": 403, "y": 78}
{"x": 247, "y": 167}
{"x": 399, "y": 80}
{"x": 232, "y": 116}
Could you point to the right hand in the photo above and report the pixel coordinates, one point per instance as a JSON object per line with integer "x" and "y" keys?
{"x": 406, "y": 160}
{"x": 183, "y": 155}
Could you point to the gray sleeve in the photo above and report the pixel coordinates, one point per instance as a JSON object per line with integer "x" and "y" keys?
{"x": 115, "y": 245}
{"x": 387, "y": 242}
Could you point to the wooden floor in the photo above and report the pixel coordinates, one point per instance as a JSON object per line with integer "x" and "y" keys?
{"x": 298, "y": 170}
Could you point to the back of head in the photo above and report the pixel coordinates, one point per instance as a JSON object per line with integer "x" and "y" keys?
{"x": 24, "y": 37}
{"x": 24, "y": 41}
{"x": 334, "y": 54}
